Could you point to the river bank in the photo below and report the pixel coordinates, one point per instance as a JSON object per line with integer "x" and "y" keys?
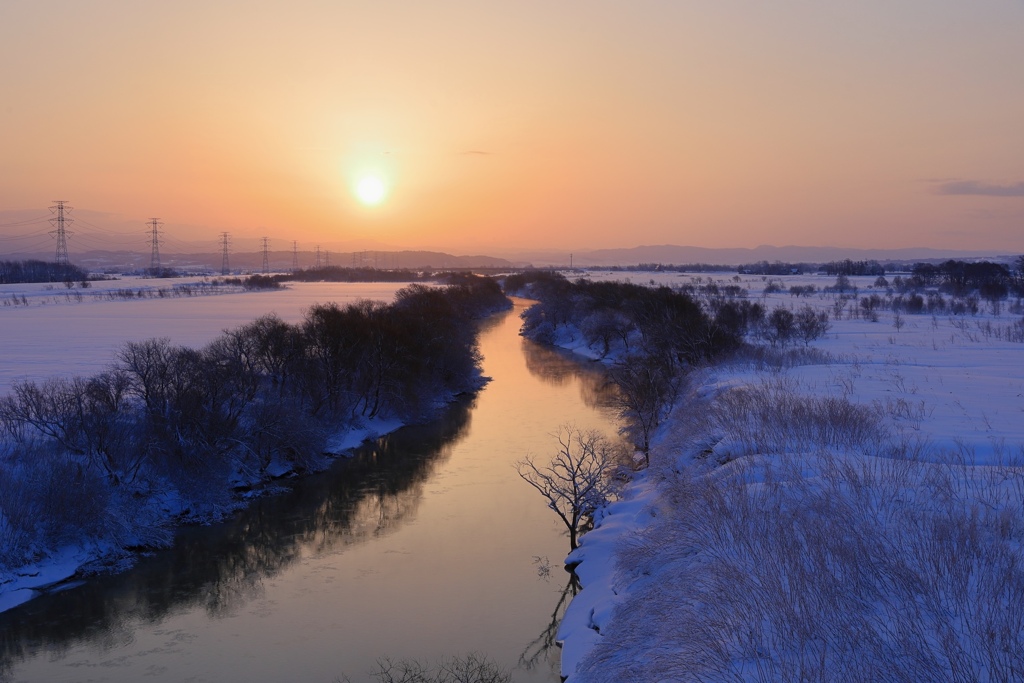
{"x": 822, "y": 490}
{"x": 99, "y": 469}
{"x": 70, "y": 565}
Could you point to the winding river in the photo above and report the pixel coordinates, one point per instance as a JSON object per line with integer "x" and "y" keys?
{"x": 423, "y": 545}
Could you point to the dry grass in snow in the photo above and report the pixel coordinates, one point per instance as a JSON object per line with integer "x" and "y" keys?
{"x": 849, "y": 511}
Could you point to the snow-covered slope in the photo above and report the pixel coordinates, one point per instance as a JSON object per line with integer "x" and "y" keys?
{"x": 852, "y": 511}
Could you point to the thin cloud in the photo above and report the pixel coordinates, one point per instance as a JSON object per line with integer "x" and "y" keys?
{"x": 477, "y": 152}
{"x": 979, "y": 189}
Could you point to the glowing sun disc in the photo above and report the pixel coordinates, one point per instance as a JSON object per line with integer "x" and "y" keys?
{"x": 370, "y": 190}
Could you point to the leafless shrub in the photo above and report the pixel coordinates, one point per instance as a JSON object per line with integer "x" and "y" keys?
{"x": 471, "y": 668}
{"x": 768, "y": 358}
{"x": 48, "y": 498}
{"x": 773, "y": 417}
{"x": 811, "y": 324}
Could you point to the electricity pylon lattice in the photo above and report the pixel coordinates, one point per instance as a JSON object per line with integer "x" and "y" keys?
{"x": 224, "y": 268}
{"x": 266, "y": 260}
{"x": 295, "y": 256}
{"x": 154, "y": 259}
{"x": 60, "y": 222}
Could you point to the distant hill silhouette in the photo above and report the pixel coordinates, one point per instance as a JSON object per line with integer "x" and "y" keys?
{"x": 675, "y": 254}
{"x": 281, "y": 260}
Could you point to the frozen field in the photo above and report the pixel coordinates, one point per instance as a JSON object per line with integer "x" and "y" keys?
{"x": 954, "y": 380}
{"x": 53, "y": 331}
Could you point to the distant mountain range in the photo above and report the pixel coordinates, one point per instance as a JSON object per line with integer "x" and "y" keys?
{"x": 674, "y": 254}
{"x": 666, "y": 254}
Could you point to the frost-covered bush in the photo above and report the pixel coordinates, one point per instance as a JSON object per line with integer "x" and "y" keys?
{"x": 774, "y": 417}
{"x": 48, "y": 498}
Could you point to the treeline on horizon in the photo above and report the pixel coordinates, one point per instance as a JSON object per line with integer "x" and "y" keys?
{"x": 259, "y": 281}
{"x": 174, "y": 427}
{"x": 31, "y": 271}
{"x": 930, "y": 273}
{"x": 359, "y": 274}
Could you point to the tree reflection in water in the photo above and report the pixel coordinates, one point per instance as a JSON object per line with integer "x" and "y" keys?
{"x": 539, "y": 649}
{"x": 222, "y": 567}
{"x": 558, "y": 367}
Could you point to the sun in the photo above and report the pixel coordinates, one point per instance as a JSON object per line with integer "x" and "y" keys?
{"x": 370, "y": 190}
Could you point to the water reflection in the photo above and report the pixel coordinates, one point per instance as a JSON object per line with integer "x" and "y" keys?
{"x": 419, "y": 548}
{"x": 559, "y": 368}
{"x": 540, "y": 648}
{"x": 224, "y": 567}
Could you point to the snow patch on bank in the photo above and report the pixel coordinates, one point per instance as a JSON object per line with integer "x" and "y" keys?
{"x": 594, "y": 561}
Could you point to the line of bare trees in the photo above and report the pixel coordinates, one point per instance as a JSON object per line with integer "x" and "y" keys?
{"x": 86, "y": 456}
{"x": 40, "y": 271}
{"x": 656, "y": 333}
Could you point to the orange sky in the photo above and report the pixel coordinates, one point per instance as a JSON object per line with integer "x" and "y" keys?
{"x": 510, "y": 125}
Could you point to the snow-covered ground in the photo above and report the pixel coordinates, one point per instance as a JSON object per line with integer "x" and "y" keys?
{"x": 48, "y": 330}
{"x": 850, "y": 512}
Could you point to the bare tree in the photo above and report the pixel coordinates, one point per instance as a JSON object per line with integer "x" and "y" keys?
{"x": 644, "y": 388}
{"x": 780, "y": 326}
{"x": 575, "y": 482}
{"x": 471, "y": 668}
{"x": 811, "y": 324}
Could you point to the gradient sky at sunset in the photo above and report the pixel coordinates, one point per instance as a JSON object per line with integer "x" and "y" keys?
{"x": 507, "y": 125}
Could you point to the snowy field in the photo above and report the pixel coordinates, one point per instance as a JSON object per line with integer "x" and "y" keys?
{"x": 849, "y": 510}
{"x": 47, "y": 330}
{"x": 50, "y": 331}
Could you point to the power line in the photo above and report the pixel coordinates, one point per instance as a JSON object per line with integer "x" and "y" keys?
{"x": 60, "y": 223}
{"x": 26, "y": 221}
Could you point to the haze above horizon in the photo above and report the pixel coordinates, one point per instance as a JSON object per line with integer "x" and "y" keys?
{"x": 486, "y": 127}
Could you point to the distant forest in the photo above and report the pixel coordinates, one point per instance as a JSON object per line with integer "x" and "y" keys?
{"x": 12, "y": 272}
{"x": 953, "y": 273}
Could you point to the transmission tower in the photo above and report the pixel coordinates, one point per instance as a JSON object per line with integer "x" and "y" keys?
{"x": 154, "y": 260}
{"x": 295, "y": 256}
{"x": 328, "y": 264}
{"x": 224, "y": 268}
{"x": 318, "y": 257}
{"x": 266, "y": 262}
{"x": 60, "y": 223}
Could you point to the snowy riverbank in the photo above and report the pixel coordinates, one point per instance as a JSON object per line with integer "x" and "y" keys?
{"x": 841, "y": 510}
{"x": 98, "y": 469}
{"x": 68, "y": 565}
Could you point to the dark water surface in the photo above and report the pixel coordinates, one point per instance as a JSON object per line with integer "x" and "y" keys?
{"x": 424, "y": 545}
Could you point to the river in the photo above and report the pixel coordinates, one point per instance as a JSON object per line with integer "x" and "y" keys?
{"x": 425, "y": 544}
